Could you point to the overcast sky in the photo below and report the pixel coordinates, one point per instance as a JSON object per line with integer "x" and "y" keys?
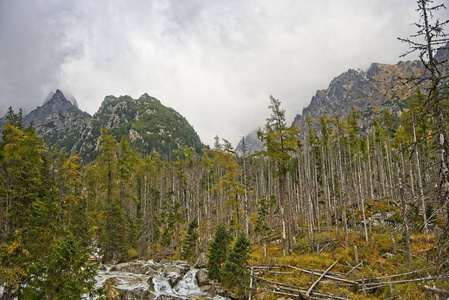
{"x": 214, "y": 61}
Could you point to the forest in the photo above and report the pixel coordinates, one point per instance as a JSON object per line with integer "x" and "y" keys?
{"x": 366, "y": 198}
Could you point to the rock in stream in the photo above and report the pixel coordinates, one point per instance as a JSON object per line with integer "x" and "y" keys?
{"x": 141, "y": 280}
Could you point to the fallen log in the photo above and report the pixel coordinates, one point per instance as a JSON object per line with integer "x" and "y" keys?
{"x": 283, "y": 285}
{"x": 435, "y": 290}
{"x": 318, "y": 280}
{"x": 393, "y": 276}
{"x": 327, "y": 276}
{"x": 377, "y": 285}
{"x": 297, "y": 296}
{"x": 314, "y": 293}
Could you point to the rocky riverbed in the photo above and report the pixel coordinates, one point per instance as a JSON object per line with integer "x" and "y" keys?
{"x": 139, "y": 280}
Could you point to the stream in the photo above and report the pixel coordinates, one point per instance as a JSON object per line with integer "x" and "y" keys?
{"x": 150, "y": 280}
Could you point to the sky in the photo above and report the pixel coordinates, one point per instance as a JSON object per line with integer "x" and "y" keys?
{"x": 214, "y": 61}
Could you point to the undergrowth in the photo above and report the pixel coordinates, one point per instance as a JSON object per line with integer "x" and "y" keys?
{"x": 382, "y": 256}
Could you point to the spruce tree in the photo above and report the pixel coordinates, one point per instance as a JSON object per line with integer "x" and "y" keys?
{"x": 67, "y": 273}
{"x": 113, "y": 223}
{"x": 218, "y": 251}
{"x": 234, "y": 274}
{"x": 76, "y": 216}
{"x": 189, "y": 245}
{"x": 34, "y": 225}
{"x": 14, "y": 119}
{"x": 228, "y": 185}
{"x": 281, "y": 143}
{"x": 114, "y": 232}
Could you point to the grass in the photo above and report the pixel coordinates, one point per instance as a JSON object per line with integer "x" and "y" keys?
{"x": 378, "y": 259}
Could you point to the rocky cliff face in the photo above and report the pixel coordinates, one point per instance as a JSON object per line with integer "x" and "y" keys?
{"x": 58, "y": 120}
{"x": 378, "y": 87}
{"x": 381, "y": 86}
{"x": 147, "y": 123}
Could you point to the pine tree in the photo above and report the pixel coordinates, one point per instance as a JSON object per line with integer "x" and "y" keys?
{"x": 281, "y": 144}
{"x": 35, "y": 226}
{"x": 67, "y": 272}
{"x": 189, "y": 245}
{"x": 218, "y": 251}
{"x": 112, "y": 220}
{"x": 234, "y": 274}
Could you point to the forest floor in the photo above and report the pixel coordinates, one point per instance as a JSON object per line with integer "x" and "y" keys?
{"x": 377, "y": 269}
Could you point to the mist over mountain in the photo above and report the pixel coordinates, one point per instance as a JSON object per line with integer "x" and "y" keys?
{"x": 149, "y": 125}
{"x": 58, "y": 120}
{"x": 249, "y": 144}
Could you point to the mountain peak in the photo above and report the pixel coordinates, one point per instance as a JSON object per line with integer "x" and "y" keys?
{"x": 145, "y": 96}
{"x": 58, "y": 96}
{"x": 59, "y": 119}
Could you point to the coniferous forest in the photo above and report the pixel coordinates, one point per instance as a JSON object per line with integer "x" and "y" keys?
{"x": 347, "y": 209}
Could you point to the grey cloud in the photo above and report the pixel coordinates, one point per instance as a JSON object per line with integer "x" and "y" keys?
{"x": 32, "y": 49}
{"x": 216, "y": 62}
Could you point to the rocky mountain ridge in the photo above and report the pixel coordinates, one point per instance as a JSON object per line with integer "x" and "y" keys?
{"x": 148, "y": 124}
{"x": 58, "y": 120}
{"x": 380, "y": 86}
{"x": 249, "y": 144}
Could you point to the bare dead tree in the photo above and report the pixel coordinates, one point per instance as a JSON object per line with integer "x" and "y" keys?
{"x": 429, "y": 39}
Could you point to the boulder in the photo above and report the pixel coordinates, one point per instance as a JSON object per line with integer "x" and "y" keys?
{"x": 223, "y": 293}
{"x": 102, "y": 267}
{"x": 134, "y": 294}
{"x": 180, "y": 269}
{"x": 167, "y": 297}
{"x": 208, "y": 289}
{"x": 201, "y": 261}
{"x": 136, "y": 267}
{"x": 202, "y": 278}
{"x": 173, "y": 278}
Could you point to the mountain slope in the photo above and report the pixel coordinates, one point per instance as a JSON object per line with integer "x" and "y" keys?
{"x": 58, "y": 121}
{"x": 379, "y": 87}
{"x": 148, "y": 124}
